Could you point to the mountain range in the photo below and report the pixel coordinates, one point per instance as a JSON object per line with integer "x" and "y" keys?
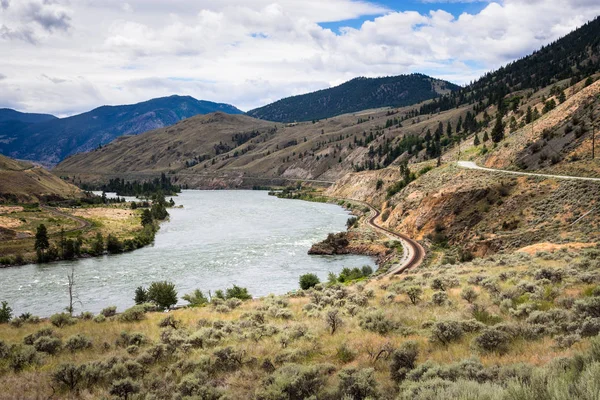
{"x": 355, "y": 95}
{"x": 232, "y": 151}
{"x": 48, "y": 140}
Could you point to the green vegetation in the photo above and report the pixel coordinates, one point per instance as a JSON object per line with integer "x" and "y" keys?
{"x": 355, "y": 95}
{"x": 158, "y": 186}
{"x": 308, "y": 281}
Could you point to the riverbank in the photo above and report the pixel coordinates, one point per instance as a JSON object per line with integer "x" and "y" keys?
{"x": 72, "y": 232}
{"x": 358, "y": 239}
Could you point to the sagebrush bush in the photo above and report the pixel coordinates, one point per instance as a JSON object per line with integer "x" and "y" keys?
{"x": 293, "y": 381}
{"x": 63, "y": 319}
{"x": 48, "y": 344}
{"x": 78, "y": 342}
{"x": 109, "y": 311}
{"x": 404, "y": 360}
{"x": 492, "y": 340}
{"x": 357, "y": 384}
{"x": 446, "y": 332}
{"x": 377, "y": 321}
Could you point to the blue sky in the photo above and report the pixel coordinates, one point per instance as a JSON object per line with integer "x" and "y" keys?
{"x": 423, "y": 7}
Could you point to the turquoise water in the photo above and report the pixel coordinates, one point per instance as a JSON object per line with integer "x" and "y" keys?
{"x": 218, "y": 238}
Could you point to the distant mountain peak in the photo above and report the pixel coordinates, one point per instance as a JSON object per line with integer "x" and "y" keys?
{"x": 357, "y": 94}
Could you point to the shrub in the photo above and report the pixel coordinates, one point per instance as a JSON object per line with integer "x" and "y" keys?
{"x": 196, "y": 298}
{"x": 439, "y": 298}
{"x": 376, "y": 321}
{"x": 345, "y": 354}
{"x": 62, "y": 319}
{"x": 132, "y": 314}
{"x": 414, "y": 294}
{"x": 238, "y": 293}
{"x": 78, "y": 342}
{"x": 482, "y": 315}
{"x": 4, "y": 350}
{"x": 69, "y": 376}
{"x": 588, "y": 308}
{"x": 333, "y": 320}
{"x": 47, "y": 344}
{"x": 163, "y": 294}
{"x": 169, "y": 321}
{"x": 308, "y": 281}
{"x": 469, "y": 294}
{"x": 87, "y": 315}
{"x": 99, "y": 318}
{"x": 438, "y": 284}
{"x": 294, "y": 381}
{"x": 445, "y": 332}
{"x": 123, "y": 388}
{"x": 21, "y": 357}
{"x": 492, "y": 340}
{"x": 358, "y": 384}
{"x": 109, "y": 311}
{"x": 404, "y": 360}
{"x": 30, "y": 339}
{"x": 5, "y": 313}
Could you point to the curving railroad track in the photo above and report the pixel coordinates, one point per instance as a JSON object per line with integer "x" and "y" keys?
{"x": 413, "y": 253}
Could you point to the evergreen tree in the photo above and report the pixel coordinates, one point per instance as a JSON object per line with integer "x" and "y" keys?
{"x": 498, "y": 131}
{"x": 449, "y": 129}
{"x": 459, "y": 124}
{"x": 41, "y": 242}
{"x": 485, "y": 136}
{"x": 529, "y": 115}
{"x": 476, "y": 142}
{"x": 562, "y": 97}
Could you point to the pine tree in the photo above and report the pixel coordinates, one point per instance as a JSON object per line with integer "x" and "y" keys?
{"x": 476, "y": 142}
{"x": 485, "y": 136}
{"x": 41, "y": 241}
{"x": 529, "y": 115}
{"x": 449, "y": 129}
{"x": 459, "y": 124}
{"x": 562, "y": 97}
{"x": 498, "y": 131}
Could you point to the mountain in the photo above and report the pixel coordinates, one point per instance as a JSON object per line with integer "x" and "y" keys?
{"x": 7, "y": 114}
{"x": 355, "y": 95}
{"x": 22, "y": 182}
{"x": 573, "y": 57}
{"x": 51, "y": 141}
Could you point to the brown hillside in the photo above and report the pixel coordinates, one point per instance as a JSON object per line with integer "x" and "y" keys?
{"x": 24, "y": 182}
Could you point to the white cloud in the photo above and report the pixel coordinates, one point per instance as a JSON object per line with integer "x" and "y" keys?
{"x": 70, "y": 56}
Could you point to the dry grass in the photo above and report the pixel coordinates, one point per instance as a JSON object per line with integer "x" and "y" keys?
{"x": 319, "y": 346}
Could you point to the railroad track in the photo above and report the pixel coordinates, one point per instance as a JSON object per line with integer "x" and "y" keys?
{"x": 413, "y": 253}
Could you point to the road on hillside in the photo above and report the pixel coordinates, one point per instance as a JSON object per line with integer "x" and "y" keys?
{"x": 83, "y": 225}
{"x": 472, "y": 165}
{"x": 413, "y": 253}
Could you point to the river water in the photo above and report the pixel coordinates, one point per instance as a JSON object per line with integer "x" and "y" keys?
{"x": 218, "y": 238}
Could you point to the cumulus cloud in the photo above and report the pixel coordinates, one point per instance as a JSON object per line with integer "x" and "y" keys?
{"x": 251, "y": 52}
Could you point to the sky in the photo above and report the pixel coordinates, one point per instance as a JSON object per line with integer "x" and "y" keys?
{"x": 69, "y": 56}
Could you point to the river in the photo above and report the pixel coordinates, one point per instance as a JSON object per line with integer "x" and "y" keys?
{"x": 218, "y": 238}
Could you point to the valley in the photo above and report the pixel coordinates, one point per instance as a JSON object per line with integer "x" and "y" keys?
{"x": 419, "y": 240}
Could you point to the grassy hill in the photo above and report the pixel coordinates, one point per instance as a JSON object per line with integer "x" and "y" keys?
{"x": 21, "y": 182}
{"x": 51, "y": 141}
{"x": 355, "y": 95}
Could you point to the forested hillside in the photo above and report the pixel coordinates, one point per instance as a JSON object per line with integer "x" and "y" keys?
{"x": 355, "y": 95}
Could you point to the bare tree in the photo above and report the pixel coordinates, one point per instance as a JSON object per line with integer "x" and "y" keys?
{"x": 72, "y": 295}
{"x": 333, "y": 320}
